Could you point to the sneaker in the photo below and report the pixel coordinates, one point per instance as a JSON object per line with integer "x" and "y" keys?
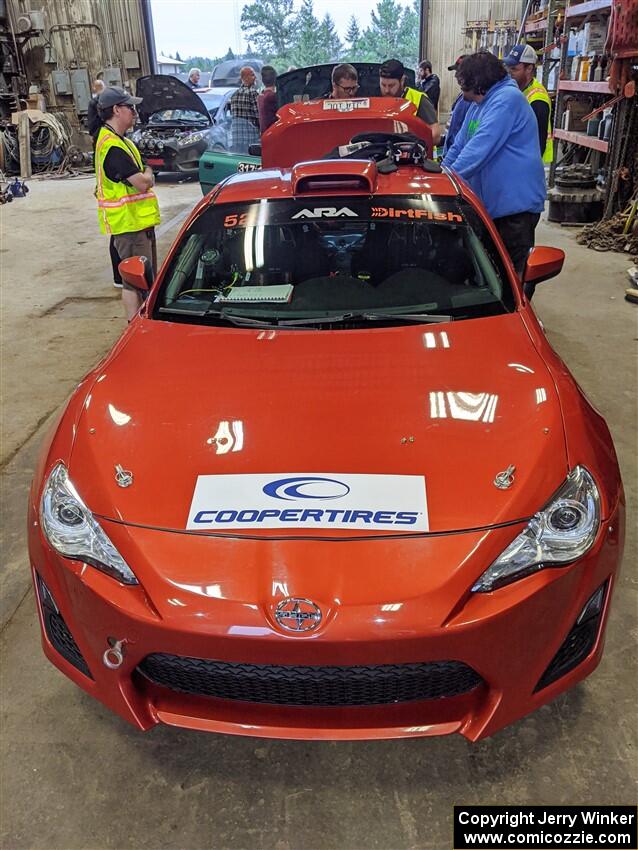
{"x": 117, "y": 285}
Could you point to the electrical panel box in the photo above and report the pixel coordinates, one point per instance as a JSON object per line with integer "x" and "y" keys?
{"x": 131, "y": 60}
{"x": 112, "y": 76}
{"x": 61, "y": 82}
{"x": 81, "y": 89}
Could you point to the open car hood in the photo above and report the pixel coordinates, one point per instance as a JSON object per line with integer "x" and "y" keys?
{"x": 453, "y": 404}
{"x": 160, "y": 91}
{"x": 227, "y": 73}
{"x": 315, "y": 81}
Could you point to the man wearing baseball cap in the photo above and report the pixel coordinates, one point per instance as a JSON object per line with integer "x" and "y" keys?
{"x": 521, "y": 63}
{"x": 459, "y": 109}
{"x": 127, "y": 206}
{"x": 393, "y": 83}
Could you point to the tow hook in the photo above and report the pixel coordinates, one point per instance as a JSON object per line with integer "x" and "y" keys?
{"x": 114, "y": 655}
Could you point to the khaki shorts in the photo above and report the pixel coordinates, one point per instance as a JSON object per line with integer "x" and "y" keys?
{"x": 141, "y": 243}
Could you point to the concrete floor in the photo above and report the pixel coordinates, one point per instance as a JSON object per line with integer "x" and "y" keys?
{"x": 76, "y": 776}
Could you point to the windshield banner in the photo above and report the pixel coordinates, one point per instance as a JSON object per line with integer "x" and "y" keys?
{"x": 309, "y": 500}
{"x": 436, "y": 210}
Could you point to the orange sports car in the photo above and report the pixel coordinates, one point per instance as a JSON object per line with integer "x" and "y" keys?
{"x": 333, "y": 481}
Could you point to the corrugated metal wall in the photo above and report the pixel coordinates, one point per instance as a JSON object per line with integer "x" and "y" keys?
{"x": 446, "y": 39}
{"x": 96, "y": 35}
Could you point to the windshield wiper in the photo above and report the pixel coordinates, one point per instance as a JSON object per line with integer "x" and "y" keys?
{"x": 315, "y": 320}
{"x": 366, "y": 317}
{"x": 250, "y": 321}
{"x": 240, "y": 320}
{"x": 178, "y": 311}
{"x": 407, "y": 317}
{"x": 247, "y": 321}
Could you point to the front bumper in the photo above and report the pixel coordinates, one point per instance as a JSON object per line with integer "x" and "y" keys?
{"x": 174, "y": 158}
{"x": 508, "y": 637}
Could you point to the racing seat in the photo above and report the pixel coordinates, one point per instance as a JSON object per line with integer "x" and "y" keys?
{"x": 449, "y": 258}
{"x": 309, "y": 257}
{"x": 278, "y": 253}
{"x": 371, "y": 262}
{"x": 439, "y": 267}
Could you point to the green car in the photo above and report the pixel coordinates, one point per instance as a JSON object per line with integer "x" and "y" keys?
{"x": 217, "y": 165}
{"x": 309, "y": 83}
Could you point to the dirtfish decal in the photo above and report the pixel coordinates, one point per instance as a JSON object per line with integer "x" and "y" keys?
{"x": 428, "y": 215}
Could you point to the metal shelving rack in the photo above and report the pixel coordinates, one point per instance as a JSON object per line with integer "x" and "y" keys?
{"x": 577, "y": 13}
{"x": 540, "y": 34}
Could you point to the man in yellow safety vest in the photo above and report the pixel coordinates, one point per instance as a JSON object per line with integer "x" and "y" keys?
{"x": 521, "y": 63}
{"x": 127, "y": 206}
{"x": 393, "y": 83}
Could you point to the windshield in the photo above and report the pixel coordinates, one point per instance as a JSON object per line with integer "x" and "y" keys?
{"x": 187, "y": 116}
{"x": 333, "y": 261}
{"x": 212, "y": 102}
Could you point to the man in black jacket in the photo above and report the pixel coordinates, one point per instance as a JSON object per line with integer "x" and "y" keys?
{"x": 429, "y": 83}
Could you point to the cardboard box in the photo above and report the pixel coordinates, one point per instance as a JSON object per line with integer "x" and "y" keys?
{"x": 573, "y": 114}
{"x": 594, "y": 37}
{"x": 37, "y": 101}
{"x": 34, "y": 115}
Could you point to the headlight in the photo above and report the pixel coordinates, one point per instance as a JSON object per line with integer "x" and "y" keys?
{"x": 71, "y": 529}
{"x": 562, "y": 532}
{"x": 190, "y": 140}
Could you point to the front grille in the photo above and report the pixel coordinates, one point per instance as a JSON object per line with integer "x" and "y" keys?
{"x": 310, "y": 686}
{"x": 574, "y": 649}
{"x": 579, "y": 642}
{"x": 58, "y": 632}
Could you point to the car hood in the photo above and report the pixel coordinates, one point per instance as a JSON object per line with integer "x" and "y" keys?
{"x": 452, "y": 404}
{"x": 315, "y": 81}
{"x": 160, "y": 91}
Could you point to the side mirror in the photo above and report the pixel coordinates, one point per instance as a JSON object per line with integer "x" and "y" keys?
{"x": 254, "y": 149}
{"x": 137, "y": 272}
{"x": 543, "y": 263}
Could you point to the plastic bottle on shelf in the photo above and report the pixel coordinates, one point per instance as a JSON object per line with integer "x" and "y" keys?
{"x": 575, "y": 70}
{"x": 593, "y": 125}
{"x": 608, "y": 122}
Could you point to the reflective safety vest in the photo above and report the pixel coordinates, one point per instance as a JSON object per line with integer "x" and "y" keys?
{"x": 537, "y": 91}
{"x": 414, "y": 96}
{"x": 121, "y": 208}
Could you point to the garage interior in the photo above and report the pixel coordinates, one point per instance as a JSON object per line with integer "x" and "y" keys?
{"x": 74, "y": 775}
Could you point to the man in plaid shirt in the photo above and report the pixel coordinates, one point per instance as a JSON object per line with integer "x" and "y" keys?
{"x": 244, "y": 111}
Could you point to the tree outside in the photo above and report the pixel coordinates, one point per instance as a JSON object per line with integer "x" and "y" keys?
{"x": 284, "y": 33}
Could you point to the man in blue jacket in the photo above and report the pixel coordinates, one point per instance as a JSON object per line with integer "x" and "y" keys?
{"x": 496, "y": 152}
